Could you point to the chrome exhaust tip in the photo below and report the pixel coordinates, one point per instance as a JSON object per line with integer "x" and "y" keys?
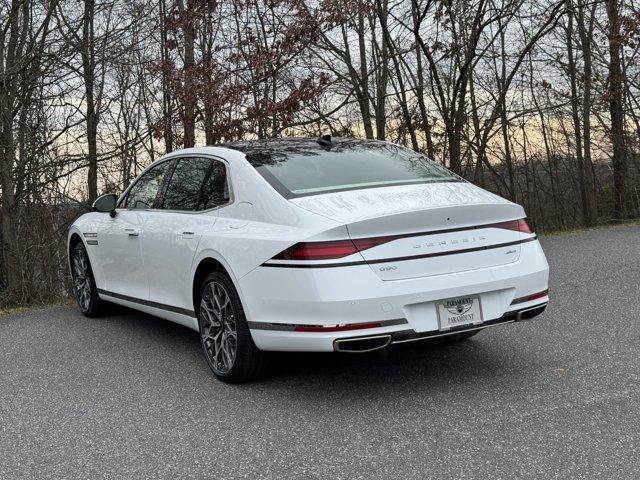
{"x": 361, "y": 345}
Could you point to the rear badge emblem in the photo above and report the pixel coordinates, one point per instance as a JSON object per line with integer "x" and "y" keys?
{"x": 386, "y": 269}
{"x": 449, "y": 243}
{"x": 459, "y": 306}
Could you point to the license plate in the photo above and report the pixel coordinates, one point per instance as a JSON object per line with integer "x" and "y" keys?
{"x": 458, "y": 312}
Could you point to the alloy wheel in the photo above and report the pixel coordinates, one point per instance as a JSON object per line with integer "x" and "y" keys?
{"x": 81, "y": 279}
{"x": 218, "y": 328}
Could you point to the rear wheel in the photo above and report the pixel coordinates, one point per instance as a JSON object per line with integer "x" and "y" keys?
{"x": 224, "y": 333}
{"x": 84, "y": 284}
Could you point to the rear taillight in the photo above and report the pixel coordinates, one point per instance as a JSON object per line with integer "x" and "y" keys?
{"x": 318, "y": 250}
{"x": 330, "y": 250}
{"x": 364, "y": 243}
{"x": 515, "y": 225}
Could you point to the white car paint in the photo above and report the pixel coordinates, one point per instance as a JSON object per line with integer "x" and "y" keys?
{"x": 147, "y": 259}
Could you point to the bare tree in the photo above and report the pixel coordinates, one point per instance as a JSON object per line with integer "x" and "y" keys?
{"x": 616, "y": 108}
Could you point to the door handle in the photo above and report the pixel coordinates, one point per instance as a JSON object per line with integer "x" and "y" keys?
{"x": 187, "y": 234}
{"x": 132, "y": 232}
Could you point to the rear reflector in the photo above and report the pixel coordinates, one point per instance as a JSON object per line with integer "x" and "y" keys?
{"x": 335, "y": 328}
{"x": 535, "y": 296}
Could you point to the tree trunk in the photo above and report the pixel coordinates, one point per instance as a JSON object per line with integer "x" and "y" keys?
{"x": 167, "y": 105}
{"x": 420, "y": 92}
{"x": 11, "y": 270}
{"x": 189, "y": 87}
{"x": 589, "y": 203}
{"x": 383, "y": 76}
{"x": 454, "y": 136}
{"x": 88, "y": 70}
{"x": 478, "y": 173}
{"x": 616, "y": 107}
{"x": 364, "y": 97}
{"x": 587, "y": 219}
{"x": 404, "y": 103}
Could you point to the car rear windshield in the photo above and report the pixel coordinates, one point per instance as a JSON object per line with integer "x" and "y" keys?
{"x": 301, "y": 169}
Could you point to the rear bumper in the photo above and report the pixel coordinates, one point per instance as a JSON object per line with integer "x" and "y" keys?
{"x": 286, "y": 339}
{"x": 376, "y": 342}
{"x": 277, "y": 299}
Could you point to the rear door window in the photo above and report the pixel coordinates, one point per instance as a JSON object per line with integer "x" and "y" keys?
{"x": 196, "y": 184}
{"x": 215, "y": 191}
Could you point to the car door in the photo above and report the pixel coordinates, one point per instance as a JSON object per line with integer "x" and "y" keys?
{"x": 196, "y": 189}
{"x": 120, "y": 236}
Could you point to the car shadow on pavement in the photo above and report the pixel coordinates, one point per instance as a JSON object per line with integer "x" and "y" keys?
{"x": 398, "y": 367}
{"x": 429, "y": 362}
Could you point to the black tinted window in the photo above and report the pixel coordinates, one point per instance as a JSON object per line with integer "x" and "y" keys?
{"x": 143, "y": 194}
{"x": 196, "y": 184}
{"x": 215, "y": 191}
{"x": 304, "y": 167}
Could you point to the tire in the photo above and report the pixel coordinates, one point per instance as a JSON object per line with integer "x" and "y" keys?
{"x": 461, "y": 337}
{"x": 84, "y": 284}
{"x": 224, "y": 334}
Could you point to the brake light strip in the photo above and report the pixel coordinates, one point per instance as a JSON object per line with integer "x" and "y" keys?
{"x": 270, "y": 263}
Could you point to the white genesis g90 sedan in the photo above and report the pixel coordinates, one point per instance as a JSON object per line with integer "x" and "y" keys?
{"x": 308, "y": 245}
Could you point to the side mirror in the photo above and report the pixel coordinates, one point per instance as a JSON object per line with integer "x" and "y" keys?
{"x": 106, "y": 204}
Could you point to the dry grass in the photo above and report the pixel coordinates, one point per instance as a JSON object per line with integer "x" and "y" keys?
{"x": 30, "y": 308}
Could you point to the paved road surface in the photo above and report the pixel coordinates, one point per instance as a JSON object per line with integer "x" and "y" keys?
{"x": 129, "y": 396}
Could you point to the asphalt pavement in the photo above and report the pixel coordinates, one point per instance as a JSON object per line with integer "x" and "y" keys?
{"x": 130, "y": 396}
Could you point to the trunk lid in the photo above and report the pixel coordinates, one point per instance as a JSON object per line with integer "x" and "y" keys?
{"x": 436, "y": 228}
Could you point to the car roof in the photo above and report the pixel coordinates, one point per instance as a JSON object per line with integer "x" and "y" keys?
{"x": 264, "y": 151}
{"x": 259, "y": 152}
{"x": 292, "y": 143}
{"x": 296, "y": 143}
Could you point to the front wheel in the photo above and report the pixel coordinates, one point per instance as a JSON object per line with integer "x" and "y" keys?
{"x": 84, "y": 284}
{"x": 224, "y": 333}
